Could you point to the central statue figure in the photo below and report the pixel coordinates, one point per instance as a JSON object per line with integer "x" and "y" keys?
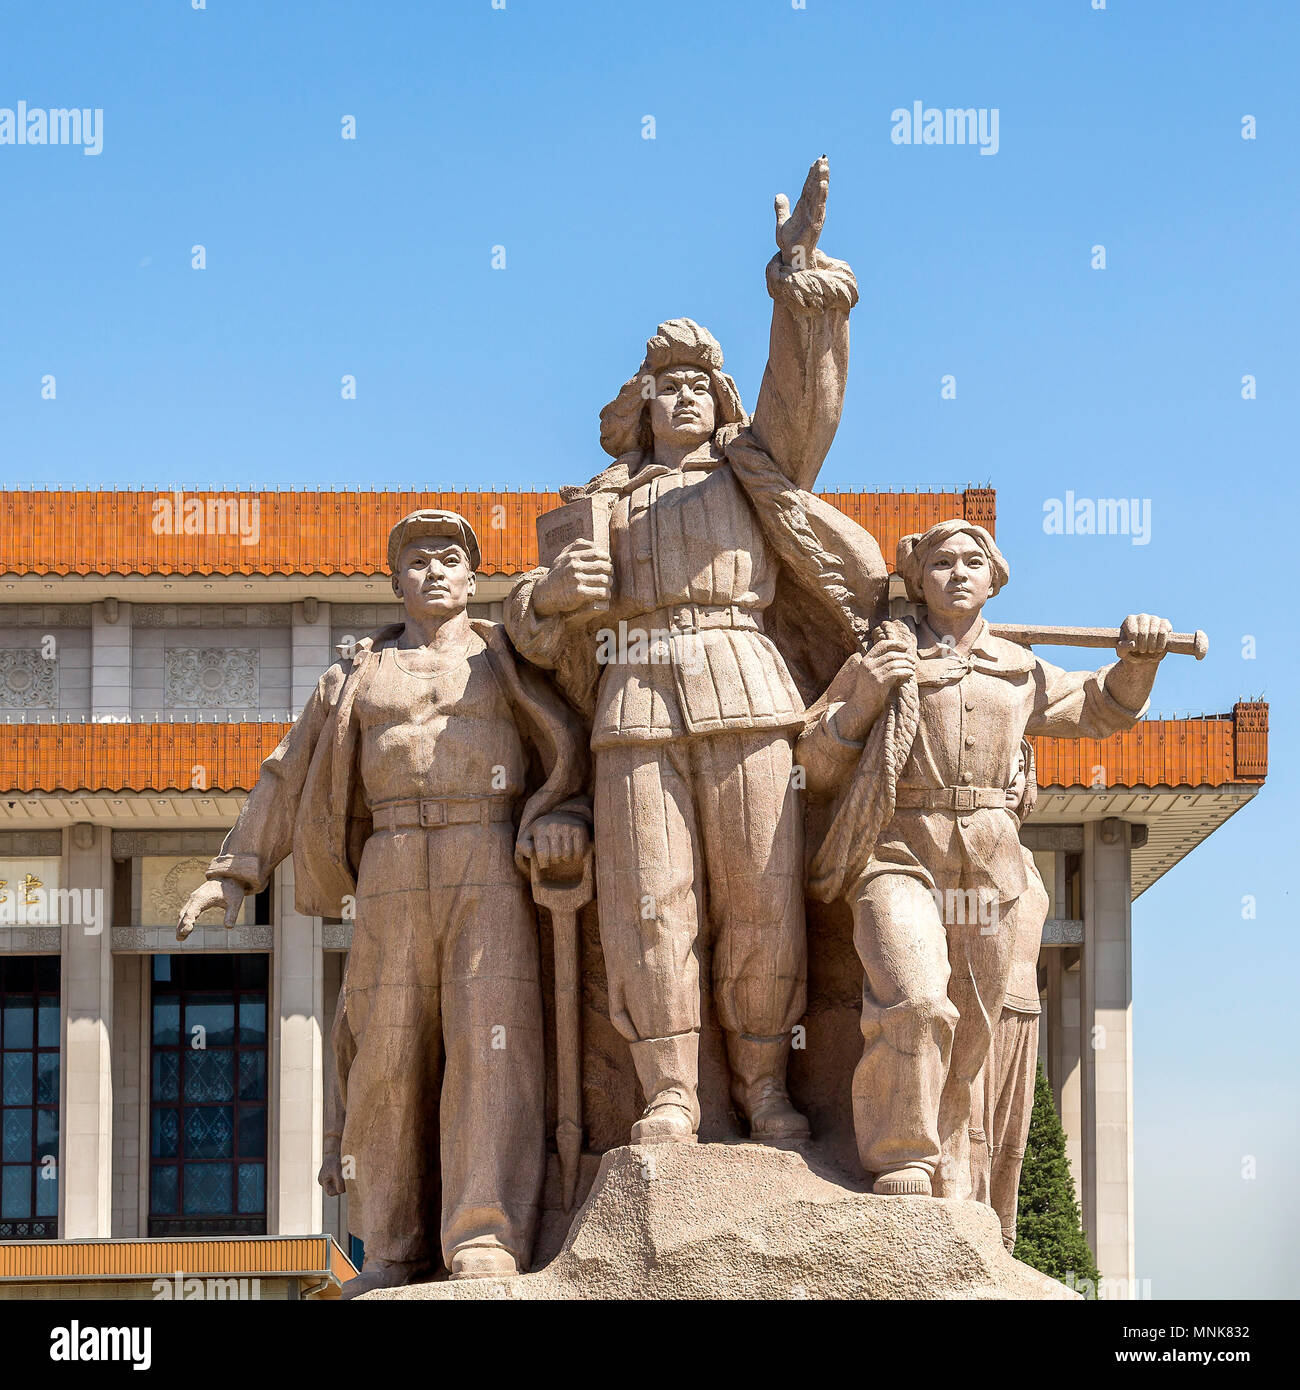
{"x": 697, "y": 815}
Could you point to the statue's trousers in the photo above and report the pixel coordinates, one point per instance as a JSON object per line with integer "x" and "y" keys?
{"x": 444, "y": 1002}
{"x": 932, "y": 995}
{"x": 705, "y": 826}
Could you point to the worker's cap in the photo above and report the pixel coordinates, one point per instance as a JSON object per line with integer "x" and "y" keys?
{"x": 429, "y": 521}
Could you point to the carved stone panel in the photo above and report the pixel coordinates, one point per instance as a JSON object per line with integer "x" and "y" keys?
{"x": 44, "y": 615}
{"x": 43, "y": 843}
{"x": 167, "y": 880}
{"x": 210, "y": 677}
{"x": 27, "y": 679}
{"x": 217, "y": 938}
{"x": 130, "y": 844}
{"x": 212, "y": 615}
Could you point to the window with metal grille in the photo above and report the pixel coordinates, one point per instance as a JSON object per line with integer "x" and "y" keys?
{"x": 29, "y": 1097}
{"x": 207, "y": 1101}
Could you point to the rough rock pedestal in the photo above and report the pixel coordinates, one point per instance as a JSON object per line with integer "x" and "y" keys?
{"x": 723, "y": 1221}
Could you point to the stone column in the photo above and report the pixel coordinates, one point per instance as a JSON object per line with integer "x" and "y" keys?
{"x": 1106, "y": 1019}
{"x": 298, "y": 1004}
{"x": 334, "y": 1208}
{"x": 312, "y": 651}
{"x": 1059, "y": 1045}
{"x": 86, "y": 983}
{"x": 131, "y": 986}
{"x": 110, "y": 665}
{"x": 295, "y": 1204}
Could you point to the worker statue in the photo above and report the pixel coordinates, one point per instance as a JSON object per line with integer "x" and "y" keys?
{"x": 917, "y": 742}
{"x": 430, "y": 772}
{"x": 715, "y": 595}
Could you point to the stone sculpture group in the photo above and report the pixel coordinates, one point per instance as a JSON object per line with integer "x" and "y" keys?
{"x": 704, "y": 691}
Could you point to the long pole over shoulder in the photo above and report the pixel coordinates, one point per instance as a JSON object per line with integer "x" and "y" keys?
{"x": 1180, "y": 643}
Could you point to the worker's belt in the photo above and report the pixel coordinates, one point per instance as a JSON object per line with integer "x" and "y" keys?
{"x": 442, "y": 810}
{"x": 951, "y": 798}
{"x": 695, "y": 617}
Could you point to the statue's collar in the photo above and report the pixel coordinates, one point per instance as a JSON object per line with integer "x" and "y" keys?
{"x": 930, "y": 644}
{"x": 648, "y": 469}
{"x": 994, "y": 656}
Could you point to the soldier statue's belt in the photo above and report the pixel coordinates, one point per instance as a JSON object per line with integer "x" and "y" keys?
{"x": 442, "y": 810}
{"x": 695, "y": 617}
{"x": 951, "y": 798}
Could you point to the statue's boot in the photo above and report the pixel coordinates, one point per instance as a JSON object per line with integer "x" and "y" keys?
{"x": 911, "y": 1180}
{"x": 483, "y": 1262}
{"x": 758, "y": 1088}
{"x": 385, "y": 1274}
{"x": 668, "y": 1069}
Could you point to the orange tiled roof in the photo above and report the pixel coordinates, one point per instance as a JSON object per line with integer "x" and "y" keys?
{"x": 1207, "y": 752}
{"x": 341, "y": 532}
{"x": 1163, "y": 753}
{"x": 133, "y": 757}
{"x": 73, "y": 1260}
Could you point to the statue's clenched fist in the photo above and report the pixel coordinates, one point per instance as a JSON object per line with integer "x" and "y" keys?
{"x": 886, "y": 665}
{"x": 1143, "y": 637}
{"x": 864, "y": 682}
{"x": 559, "y": 844}
{"x": 213, "y": 892}
{"x": 330, "y": 1176}
{"x": 581, "y": 580}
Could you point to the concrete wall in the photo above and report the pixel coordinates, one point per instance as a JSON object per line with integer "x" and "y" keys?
{"x": 128, "y": 661}
{"x": 45, "y": 661}
{"x": 212, "y": 661}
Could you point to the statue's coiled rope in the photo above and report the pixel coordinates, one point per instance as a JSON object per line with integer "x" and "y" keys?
{"x": 868, "y": 804}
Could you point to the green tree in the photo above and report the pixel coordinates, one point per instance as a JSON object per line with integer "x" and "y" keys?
{"x": 1049, "y": 1233}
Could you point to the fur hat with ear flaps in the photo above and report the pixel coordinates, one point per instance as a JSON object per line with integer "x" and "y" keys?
{"x": 624, "y": 422}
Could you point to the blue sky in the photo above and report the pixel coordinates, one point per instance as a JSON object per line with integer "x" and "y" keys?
{"x": 522, "y": 128}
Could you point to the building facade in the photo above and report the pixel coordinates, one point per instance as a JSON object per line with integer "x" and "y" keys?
{"x": 164, "y": 1103}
